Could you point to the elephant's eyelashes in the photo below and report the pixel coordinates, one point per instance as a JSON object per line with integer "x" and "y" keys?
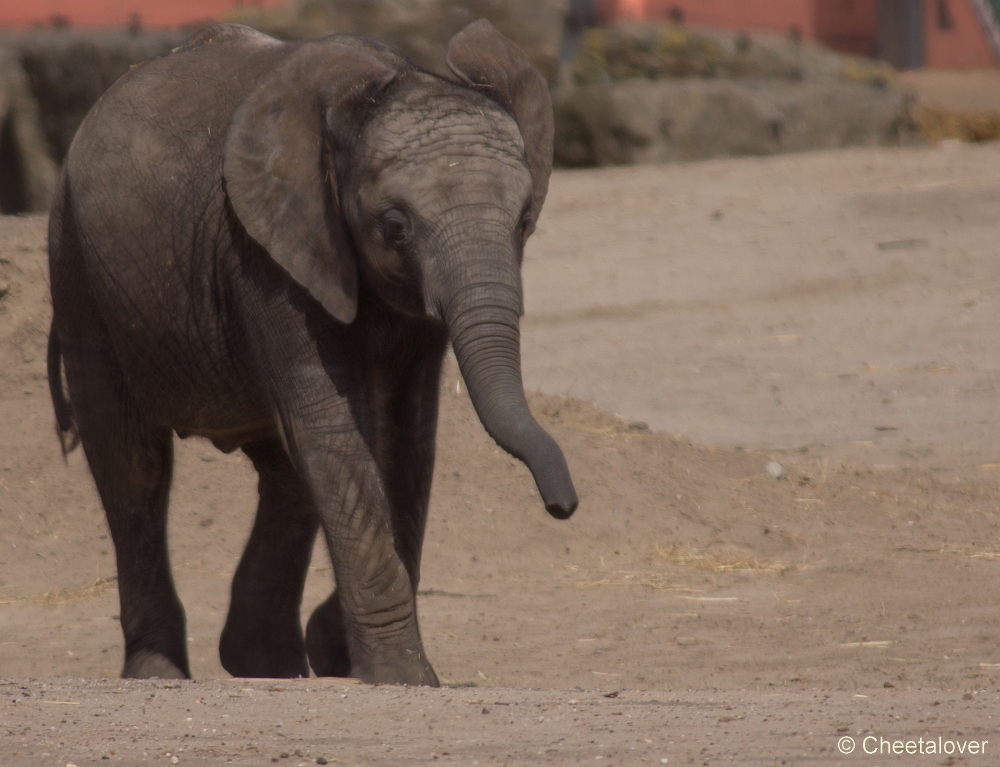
{"x": 395, "y": 227}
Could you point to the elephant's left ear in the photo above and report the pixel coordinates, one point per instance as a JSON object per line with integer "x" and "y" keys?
{"x": 484, "y": 59}
{"x": 278, "y": 169}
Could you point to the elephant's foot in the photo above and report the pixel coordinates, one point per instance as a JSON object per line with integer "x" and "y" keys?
{"x": 398, "y": 667}
{"x": 326, "y": 643}
{"x": 326, "y": 640}
{"x": 146, "y": 664}
{"x": 263, "y": 646}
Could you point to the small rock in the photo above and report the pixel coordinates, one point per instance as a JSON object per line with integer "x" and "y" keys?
{"x": 776, "y": 470}
{"x": 321, "y": 760}
{"x": 638, "y": 426}
{"x": 4, "y": 289}
{"x": 887, "y": 685}
{"x": 174, "y": 760}
{"x": 485, "y": 710}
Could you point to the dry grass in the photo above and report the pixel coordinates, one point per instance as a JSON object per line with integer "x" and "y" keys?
{"x": 875, "y": 644}
{"x": 95, "y": 588}
{"x": 719, "y": 562}
{"x": 586, "y": 416}
{"x": 652, "y": 580}
{"x": 936, "y": 124}
{"x": 970, "y": 552}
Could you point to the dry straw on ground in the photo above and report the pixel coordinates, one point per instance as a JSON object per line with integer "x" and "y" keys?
{"x": 719, "y": 562}
{"x": 938, "y": 124}
{"x": 970, "y": 552}
{"x": 653, "y": 580}
{"x": 95, "y": 588}
{"x": 716, "y": 562}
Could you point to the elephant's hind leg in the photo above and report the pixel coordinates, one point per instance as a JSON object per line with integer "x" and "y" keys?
{"x": 263, "y": 634}
{"x": 132, "y": 464}
{"x": 130, "y": 458}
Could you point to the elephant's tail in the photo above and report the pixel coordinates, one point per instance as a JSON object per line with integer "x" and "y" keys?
{"x": 69, "y": 436}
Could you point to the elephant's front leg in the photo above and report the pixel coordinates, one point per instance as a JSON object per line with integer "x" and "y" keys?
{"x": 375, "y": 599}
{"x": 405, "y": 429}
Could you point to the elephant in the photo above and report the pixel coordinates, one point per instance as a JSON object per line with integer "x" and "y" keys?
{"x": 270, "y": 245}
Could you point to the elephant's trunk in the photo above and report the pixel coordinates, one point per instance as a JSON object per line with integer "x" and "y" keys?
{"x": 483, "y": 320}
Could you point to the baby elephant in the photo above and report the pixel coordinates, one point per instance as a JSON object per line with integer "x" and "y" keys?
{"x": 270, "y": 245}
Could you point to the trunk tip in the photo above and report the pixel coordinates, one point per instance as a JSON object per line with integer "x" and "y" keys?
{"x": 562, "y": 509}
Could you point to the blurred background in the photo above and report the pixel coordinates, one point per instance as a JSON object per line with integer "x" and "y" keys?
{"x": 633, "y": 81}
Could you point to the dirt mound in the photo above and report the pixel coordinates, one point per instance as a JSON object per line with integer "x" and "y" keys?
{"x": 24, "y": 300}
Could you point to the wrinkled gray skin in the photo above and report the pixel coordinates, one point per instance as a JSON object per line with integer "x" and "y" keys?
{"x": 270, "y": 244}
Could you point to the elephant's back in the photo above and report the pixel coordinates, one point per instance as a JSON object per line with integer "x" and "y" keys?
{"x": 165, "y": 120}
{"x": 143, "y": 185}
{"x": 149, "y": 153}
{"x": 144, "y": 172}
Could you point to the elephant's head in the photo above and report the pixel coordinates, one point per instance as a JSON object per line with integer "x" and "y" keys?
{"x": 351, "y": 166}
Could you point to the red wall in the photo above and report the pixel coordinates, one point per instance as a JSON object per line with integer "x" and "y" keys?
{"x": 777, "y": 15}
{"x": 103, "y": 13}
{"x": 847, "y": 25}
{"x": 965, "y": 46}
{"x": 844, "y": 25}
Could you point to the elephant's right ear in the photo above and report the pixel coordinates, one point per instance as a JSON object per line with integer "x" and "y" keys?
{"x": 279, "y": 172}
{"x": 483, "y": 58}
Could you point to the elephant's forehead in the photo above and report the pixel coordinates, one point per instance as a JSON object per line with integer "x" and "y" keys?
{"x": 441, "y": 127}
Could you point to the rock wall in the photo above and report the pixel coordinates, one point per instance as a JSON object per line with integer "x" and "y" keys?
{"x": 27, "y": 171}
{"x": 421, "y": 28}
{"x": 631, "y": 94}
{"x": 655, "y": 51}
{"x": 70, "y": 69}
{"x": 639, "y": 121}
{"x": 655, "y": 93}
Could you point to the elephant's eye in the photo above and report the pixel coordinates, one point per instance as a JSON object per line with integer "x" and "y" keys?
{"x": 395, "y": 227}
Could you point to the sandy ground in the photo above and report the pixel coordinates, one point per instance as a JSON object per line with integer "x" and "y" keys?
{"x": 832, "y": 312}
{"x": 837, "y": 300}
{"x": 955, "y": 91}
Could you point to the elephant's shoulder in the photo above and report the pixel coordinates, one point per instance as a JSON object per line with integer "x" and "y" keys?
{"x": 228, "y": 35}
